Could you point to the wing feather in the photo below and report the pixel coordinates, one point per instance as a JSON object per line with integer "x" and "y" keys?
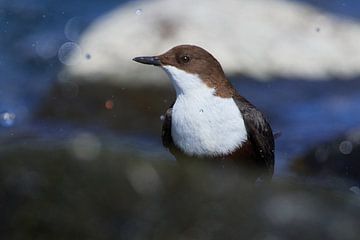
{"x": 260, "y": 134}
{"x": 166, "y": 129}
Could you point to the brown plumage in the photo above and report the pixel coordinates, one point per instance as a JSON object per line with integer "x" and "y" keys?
{"x": 257, "y": 152}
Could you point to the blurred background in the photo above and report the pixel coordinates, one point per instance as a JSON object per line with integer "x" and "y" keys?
{"x": 80, "y": 122}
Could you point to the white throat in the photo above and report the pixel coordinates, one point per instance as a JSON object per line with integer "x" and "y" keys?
{"x": 203, "y": 124}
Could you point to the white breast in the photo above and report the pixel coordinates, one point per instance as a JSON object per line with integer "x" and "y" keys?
{"x": 204, "y": 124}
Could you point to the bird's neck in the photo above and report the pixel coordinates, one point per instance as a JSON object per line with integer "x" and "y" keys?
{"x": 186, "y": 83}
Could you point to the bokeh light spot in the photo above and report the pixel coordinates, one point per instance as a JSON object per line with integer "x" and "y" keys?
{"x": 109, "y": 104}
{"x": 346, "y": 147}
{"x": 7, "y": 119}
{"x": 70, "y": 53}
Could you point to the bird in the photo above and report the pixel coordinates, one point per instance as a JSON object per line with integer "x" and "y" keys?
{"x": 209, "y": 119}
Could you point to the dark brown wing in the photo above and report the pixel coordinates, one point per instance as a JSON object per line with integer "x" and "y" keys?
{"x": 260, "y": 134}
{"x": 166, "y": 129}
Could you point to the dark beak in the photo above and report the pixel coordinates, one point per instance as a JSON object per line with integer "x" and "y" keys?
{"x": 148, "y": 60}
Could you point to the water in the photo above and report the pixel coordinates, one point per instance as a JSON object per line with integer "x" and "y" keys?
{"x": 32, "y": 33}
{"x": 40, "y": 36}
{"x": 62, "y": 178}
{"x": 34, "y": 30}
{"x": 342, "y": 8}
{"x": 306, "y": 113}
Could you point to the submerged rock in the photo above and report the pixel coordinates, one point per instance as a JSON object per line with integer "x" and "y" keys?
{"x": 259, "y": 38}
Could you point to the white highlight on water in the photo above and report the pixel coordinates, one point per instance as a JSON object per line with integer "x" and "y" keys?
{"x": 138, "y": 11}
{"x": 7, "y": 119}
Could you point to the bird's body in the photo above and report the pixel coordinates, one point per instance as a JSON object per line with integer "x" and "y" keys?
{"x": 204, "y": 124}
{"x": 209, "y": 119}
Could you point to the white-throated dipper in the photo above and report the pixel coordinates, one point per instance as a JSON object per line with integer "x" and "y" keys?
{"x": 209, "y": 119}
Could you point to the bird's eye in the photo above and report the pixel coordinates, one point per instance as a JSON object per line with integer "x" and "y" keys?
{"x": 185, "y": 59}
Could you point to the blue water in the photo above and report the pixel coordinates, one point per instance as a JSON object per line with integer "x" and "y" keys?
{"x": 32, "y": 31}
{"x": 342, "y": 8}
{"x": 306, "y": 113}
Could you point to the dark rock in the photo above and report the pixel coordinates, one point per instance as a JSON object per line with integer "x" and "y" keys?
{"x": 339, "y": 158}
{"x": 113, "y": 107}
